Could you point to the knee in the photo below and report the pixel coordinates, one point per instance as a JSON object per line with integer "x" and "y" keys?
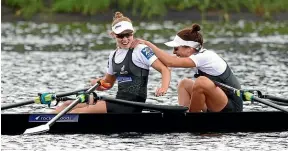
{"x": 202, "y": 83}
{"x": 182, "y": 82}
{"x": 185, "y": 83}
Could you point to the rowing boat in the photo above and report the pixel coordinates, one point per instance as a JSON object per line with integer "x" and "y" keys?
{"x": 148, "y": 122}
{"x": 163, "y": 119}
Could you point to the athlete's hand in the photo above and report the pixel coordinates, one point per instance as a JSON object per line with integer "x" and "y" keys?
{"x": 104, "y": 86}
{"x": 160, "y": 92}
{"x": 135, "y": 42}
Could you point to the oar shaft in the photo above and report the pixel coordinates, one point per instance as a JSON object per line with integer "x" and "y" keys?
{"x": 280, "y": 103}
{"x": 70, "y": 93}
{"x": 225, "y": 87}
{"x": 274, "y": 98}
{"x": 67, "y": 109}
{"x": 271, "y": 104}
{"x": 16, "y": 104}
{"x": 162, "y": 108}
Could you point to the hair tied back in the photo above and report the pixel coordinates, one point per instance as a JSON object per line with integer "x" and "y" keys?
{"x": 195, "y": 28}
{"x": 117, "y": 15}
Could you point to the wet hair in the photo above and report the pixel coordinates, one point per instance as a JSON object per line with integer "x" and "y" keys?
{"x": 118, "y": 17}
{"x": 191, "y": 34}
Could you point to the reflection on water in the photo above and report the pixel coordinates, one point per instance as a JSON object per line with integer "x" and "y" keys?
{"x": 60, "y": 58}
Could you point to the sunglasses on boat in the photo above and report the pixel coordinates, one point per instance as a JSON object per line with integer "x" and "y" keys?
{"x": 121, "y": 36}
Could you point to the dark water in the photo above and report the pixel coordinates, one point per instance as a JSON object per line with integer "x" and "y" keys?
{"x": 54, "y": 58}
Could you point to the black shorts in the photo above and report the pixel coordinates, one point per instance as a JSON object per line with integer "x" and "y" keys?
{"x": 234, "y": 104}
{"x": 119, "y": 108}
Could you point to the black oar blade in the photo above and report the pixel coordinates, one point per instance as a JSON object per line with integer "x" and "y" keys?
{"x": 37, "y": 130}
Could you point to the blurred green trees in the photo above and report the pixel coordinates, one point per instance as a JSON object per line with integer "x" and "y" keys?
{"x": 147, "y": 8}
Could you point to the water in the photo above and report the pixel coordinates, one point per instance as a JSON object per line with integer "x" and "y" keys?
{"x": 60, "y": 58}
{"x": 131, "y": 142}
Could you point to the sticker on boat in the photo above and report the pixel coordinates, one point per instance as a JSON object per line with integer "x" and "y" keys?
{"x": 48, "y": 117}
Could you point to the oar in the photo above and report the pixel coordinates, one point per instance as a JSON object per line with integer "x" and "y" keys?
{"x": 161, "y": 108}
{"x": 4, "y": 107}
{"x": 248, "y": 96}
{"x": 275, "y": 98}
{"x": 280, "y": 103}
{"x": 55, "y": 96}
{"x": 46, "y": 127}
{"x": 271, "y": 97}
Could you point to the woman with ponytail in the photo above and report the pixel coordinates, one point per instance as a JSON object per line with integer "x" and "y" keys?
{"x": 130, "y": 68}
{"x": 201, "y": 94}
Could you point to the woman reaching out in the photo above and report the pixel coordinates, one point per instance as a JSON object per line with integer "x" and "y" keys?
{"x": 202, "y": 94}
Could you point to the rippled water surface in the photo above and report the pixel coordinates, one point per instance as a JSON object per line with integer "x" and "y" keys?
{"x": 60, "y": 58}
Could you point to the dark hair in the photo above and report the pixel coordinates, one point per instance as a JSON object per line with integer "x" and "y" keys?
{"x": 118, "y": 17}
{"x": 191, "y": 34}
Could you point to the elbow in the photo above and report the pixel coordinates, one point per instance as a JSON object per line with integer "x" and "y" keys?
{"x": 168, "y": 63}
{"x": 165, "y": 70}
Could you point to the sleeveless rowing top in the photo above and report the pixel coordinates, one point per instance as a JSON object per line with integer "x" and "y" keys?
{"x": 228, "y": 78}
{"x": 132, "y": 80}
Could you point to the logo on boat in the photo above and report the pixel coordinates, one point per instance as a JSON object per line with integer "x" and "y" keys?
{"x": 48, "y": 117}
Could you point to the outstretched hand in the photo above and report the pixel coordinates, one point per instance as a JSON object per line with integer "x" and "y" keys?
{"x": 160, "y": 92}
{"x": 136, "y": 42}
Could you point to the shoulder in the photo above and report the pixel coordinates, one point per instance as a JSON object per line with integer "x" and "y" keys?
{"x": 112, "y": 53}
{"x": 212, "y": 53}
{"x": 144, "y": 50}
{"x": 140, "y": 47}
{"x": 205, "y": 52}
